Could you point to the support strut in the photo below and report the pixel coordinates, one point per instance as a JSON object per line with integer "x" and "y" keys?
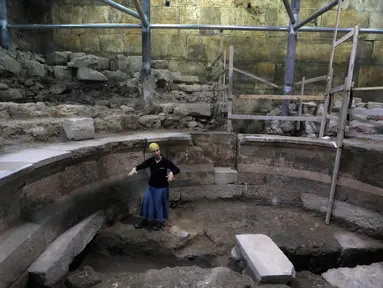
{"x": 290, "y": 58}
{"x": 321, "y": 11}
{"x": 289, "y": 11}
{"x": 122, "y": 8}
{"x": 4, "y": 39}
{"x": 141, "y": 13}
{"x": 146, "y": 40}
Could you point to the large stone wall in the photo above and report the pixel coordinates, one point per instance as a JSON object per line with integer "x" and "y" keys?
{"x": 262, "y": 53}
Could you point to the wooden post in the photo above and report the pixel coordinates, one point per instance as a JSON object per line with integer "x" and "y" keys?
{"x": 301, "y": 103}
{"x": 326, "y": 105}
{"x": 230, "y": 89}
{"x": 224, "y": 79}
{"x": 342, "y": 121}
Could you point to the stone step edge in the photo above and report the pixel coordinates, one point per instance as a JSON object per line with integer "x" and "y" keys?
{"x": 358, "y": 218}
{"x": 22, "y": 244}
{"x": 53, "y": 263}
{"x": 25, "y": 161}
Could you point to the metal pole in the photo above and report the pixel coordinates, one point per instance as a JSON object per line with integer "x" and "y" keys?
{"x": 188, "y": 27}
{"x": 289, "y": 11}
{"x": 146, "y": 37}
{"x": 321, "y": 11}
{"x": 141, "y": 13}
{"x": 4, "y": 40}
{"x": 121, "y": 8}
{"x": 73, "y": 26}
{"x": 290, "y": 58}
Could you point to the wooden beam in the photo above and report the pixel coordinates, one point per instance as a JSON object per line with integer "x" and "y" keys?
{"x": 344, "y": 38}
{"x": 337, "y": 89}
{"x": 312, "y": 80}
{"x": 367, "y": 88}
{"x": 271, "y": 118}
{"x": 255, "y": 77}
{"x": 283, "y": 97}
{"x": 230, "y": 89}
{"x": 300, "y": 107}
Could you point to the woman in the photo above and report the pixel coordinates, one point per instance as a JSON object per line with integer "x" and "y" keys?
{"x": 155, "y": 205}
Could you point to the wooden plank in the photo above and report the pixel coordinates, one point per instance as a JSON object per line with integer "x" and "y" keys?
{"x": 350, "y": 73}
{"x": 312, "y": 80}
{"x": 334, "y": 179}
{"x": 339, "y": 88}
{"x": 283, "y": 97}
{"x": 322, "y": 129}
{"x": 271, "y": 118}
{"x": 344, "y": 38}
{"x": 300, "y": 107}
{"x": 230, "y": 89}
{"x": 367, "y": 88}
{"x": 255, "y": 77}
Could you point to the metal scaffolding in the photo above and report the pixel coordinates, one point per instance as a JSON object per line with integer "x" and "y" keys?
{"x": 143, "y": 13}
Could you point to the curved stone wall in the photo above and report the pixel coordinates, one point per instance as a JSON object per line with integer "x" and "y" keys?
{"x": 46, "y": 190}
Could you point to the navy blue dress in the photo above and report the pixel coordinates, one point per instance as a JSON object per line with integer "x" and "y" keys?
{"x": 156, "y": 199}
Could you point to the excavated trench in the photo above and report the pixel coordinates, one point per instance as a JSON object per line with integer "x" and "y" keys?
{"x": 200, "y": 235}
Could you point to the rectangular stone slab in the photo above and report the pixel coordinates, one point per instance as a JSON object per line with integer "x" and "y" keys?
{"x": 54, "y": 262}
{"x": 225, "y": 175}
{"x": 264, "y": 258}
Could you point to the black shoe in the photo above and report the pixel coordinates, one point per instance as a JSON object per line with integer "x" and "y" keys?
{"x": 157, "y": 226}
{"x": 143, "y": 223}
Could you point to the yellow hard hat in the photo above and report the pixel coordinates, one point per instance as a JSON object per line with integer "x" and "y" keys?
{"x": 153, "y": 147}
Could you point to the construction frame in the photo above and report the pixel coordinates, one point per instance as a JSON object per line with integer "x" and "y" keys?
{"x": 143, "y": 13}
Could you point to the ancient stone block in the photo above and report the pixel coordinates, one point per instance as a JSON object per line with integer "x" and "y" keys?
{"x": 225, "y": 175}
{"x": 54, "y": 262}
{"x": 150, "y": 121}
{"x": 219, "y": 147}
{"x": 119, "y": 62}
{"x": 35, "y": 68}
{"x": 90, "y": 75}
{"x": 359, "y": 276}
{"x": 197, "y": 174}
{"x": 79, "y": 128}
{"x": 115, "y": 76}
{"x": 58, "y": 58}
{"x": 265, "y": 260}
{"x": 62, "y": 72}
{"x": 15, "y": 251}
{"x": 90, "y": 61}
{"x": 9, "y": 64}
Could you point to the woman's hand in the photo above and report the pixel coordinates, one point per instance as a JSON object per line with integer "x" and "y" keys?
{"x": 133, "y": 171}
{"x": 170, "y": 176}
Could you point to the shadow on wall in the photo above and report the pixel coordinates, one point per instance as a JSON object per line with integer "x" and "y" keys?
{"x": 31, "y": 12}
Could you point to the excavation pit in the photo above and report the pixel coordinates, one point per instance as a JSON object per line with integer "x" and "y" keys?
{"x": 229, "y": 185}
{"x": 202, "y": 234}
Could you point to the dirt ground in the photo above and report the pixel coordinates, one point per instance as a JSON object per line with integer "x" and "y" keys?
{"x": 201, "y": 236}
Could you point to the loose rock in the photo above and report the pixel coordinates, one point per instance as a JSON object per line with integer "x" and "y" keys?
{"x": 90, "y": 75}
{"x": 361, "y": 276}
{"x": 79, "y": 128}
